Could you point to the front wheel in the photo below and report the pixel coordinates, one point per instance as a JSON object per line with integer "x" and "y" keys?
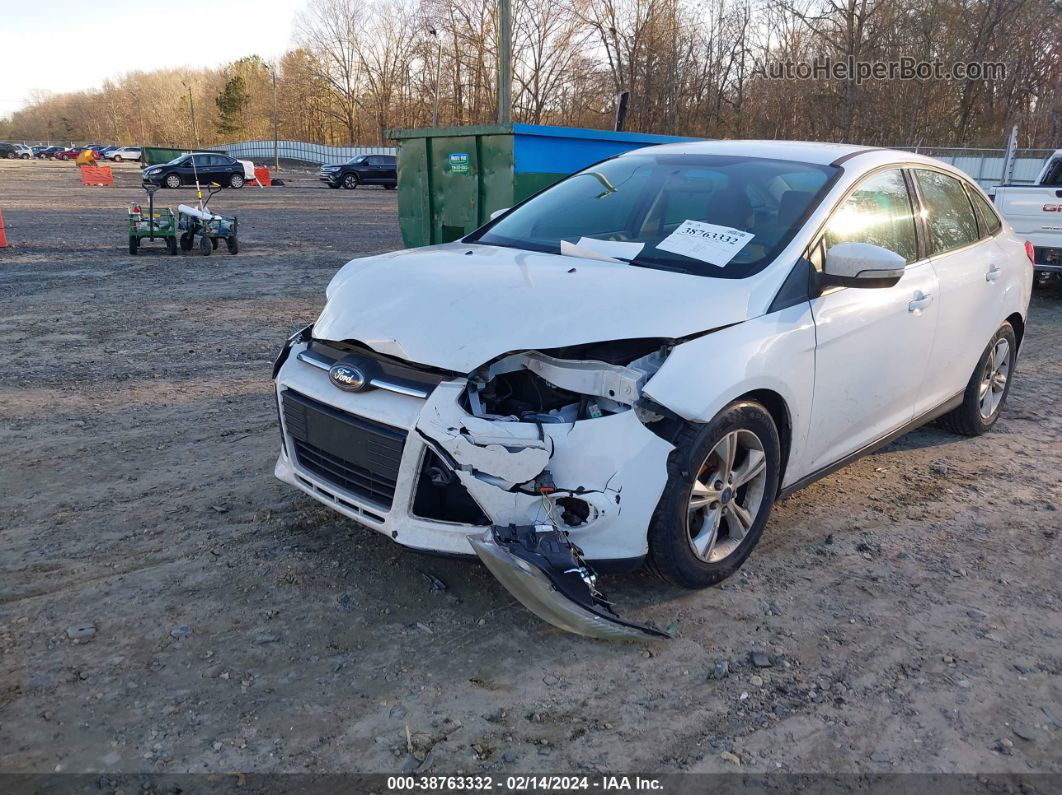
{"x": 186, "y": 241}
{"x": 236, "y": 181}
{"x": 171, "y": 245}
{"x": 134, "y": 244}
{"x": 172, "y": 181}
{"x": 233, "y": 244}
{"x": 723, "y": 478}
{"x": 988, "y": 387}
{"x": 205, "y": 246}
{"x": 350, "y": 181}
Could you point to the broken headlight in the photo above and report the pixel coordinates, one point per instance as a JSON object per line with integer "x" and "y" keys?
{"x": 565, "y": 385}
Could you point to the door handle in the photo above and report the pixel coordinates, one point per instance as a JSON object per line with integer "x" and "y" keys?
{"x": 993, "y": 273}
{"x": 920, "y": 301}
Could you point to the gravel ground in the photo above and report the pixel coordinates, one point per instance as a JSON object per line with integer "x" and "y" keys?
{"x": 166, "y": 605}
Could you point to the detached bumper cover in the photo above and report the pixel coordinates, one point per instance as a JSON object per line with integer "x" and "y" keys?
{"x": 545, "y": 572}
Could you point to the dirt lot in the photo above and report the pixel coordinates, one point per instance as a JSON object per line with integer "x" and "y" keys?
{"x": 166, "y": 605}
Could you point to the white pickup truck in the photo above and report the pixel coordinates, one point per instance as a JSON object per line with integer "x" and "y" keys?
{"x": 1035, "y": 212}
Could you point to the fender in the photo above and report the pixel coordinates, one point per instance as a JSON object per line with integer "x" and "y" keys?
{"x": 775, "y": 352}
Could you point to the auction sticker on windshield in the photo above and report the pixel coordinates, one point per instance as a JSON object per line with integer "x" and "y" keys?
{"x": 716, "y": 245}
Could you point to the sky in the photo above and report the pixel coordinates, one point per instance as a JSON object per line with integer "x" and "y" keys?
{"x": 67, "y": 45}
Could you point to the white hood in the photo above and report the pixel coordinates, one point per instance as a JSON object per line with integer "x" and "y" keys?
{"x": 458, "y": 306}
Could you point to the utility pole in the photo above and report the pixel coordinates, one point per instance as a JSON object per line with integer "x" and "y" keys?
{"x": 191, "y": 105}
{"x": 140, "y": 113}
{"x": 438, "y": 77}
{"x": 276, "y": 143}
{"x": 505, "y": 61}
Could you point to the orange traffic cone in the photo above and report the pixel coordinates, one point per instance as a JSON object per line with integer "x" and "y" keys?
{"x": 3, "y": 234}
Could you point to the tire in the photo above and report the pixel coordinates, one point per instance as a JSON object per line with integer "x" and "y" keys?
{"x": 233, "y": 244}
{"x": 205, "y": 246}
{"x": 979, "y": 412}
{"x": 171, "y": 245}
{"x": 134, "y": 244}
{"x": 698, "y": 457}
{"x": 350, "y": 181}
{"x": 172, "y": 181}
{"x": 186, "y": 242}
{"x": 25, "y": 157}
{"x": 116, "y": 159}
{"x": 11, "y": 155}
{"x": 236, "y": 181}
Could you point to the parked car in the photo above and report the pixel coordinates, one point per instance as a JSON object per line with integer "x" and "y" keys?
{"x": 23, "y": 151}
{"x": 71, "y": 153}
{"x": 38, "y": 149}
{"x": 98, "y": 149}
{"x": 204, "y": 167}
{"x": 362, "y": 170}
{"x": 1035, "y": 211}
{"x": 125, "y": 153}
{"x": 698, "y": 328}
{"x": 51, "y": 152}
{"x": 8, "y": 151}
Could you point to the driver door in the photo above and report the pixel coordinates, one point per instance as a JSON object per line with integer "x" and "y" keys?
{"x": 873, "y": 345}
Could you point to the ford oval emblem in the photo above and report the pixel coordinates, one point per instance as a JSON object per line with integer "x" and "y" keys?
{"x": 348, "y": 377}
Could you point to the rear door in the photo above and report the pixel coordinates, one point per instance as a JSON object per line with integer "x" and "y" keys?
{"x": 970, "y": 268}
{"x": 389, "y": 169}
{"x": 872, "y": 344}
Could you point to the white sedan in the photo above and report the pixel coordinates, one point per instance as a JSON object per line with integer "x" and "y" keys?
{"x": 125, "y": 153}
{"x": 638, "y": 362}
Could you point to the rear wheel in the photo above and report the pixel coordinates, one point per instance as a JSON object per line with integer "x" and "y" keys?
{"x": 236, "y": 181}
{"x": 722, "y": 485}
{"x": 172, "y": 181}
{"x": 988, "y": 387}
{"x": 204, "y": 246}
{"x": 350, "y": 181}
{"x": 233, "y": 244}
{"x": 186, "y": 241}
{"x": 134, "y": 244}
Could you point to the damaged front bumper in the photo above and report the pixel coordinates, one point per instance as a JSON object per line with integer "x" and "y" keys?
{"x": 541, "y": 568}
{"x": 594, "y": 481}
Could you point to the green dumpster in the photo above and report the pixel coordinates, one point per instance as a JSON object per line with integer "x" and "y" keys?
{"x": 451, "y": 179}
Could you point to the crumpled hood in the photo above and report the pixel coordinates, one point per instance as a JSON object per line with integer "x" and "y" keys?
{"x": 457, "y": 306}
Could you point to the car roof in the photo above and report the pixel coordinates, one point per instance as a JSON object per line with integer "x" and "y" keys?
{"x": 800, "y": 151}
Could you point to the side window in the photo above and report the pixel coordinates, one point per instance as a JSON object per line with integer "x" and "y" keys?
{"x": 949, "y": 215}
{"x": 879, "y": 212}
{"x": 989, "y": 217}
{"x": 201, "y": 161}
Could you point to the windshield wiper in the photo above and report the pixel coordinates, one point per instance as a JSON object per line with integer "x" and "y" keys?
{"x": 644, "y": 263}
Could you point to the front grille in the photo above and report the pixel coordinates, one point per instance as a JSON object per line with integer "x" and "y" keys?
{"x": 352, "y": 453}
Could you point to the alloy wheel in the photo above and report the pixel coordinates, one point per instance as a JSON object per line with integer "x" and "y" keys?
{"x": 994, "y": 380}
{"x": 727, "y": 495}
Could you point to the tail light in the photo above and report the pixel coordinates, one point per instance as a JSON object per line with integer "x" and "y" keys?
{"x": 1030, "y": 252}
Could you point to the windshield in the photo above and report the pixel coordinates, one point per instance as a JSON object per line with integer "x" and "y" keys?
{"x": 178, "y": 160}
{"x": 709, "y": 215}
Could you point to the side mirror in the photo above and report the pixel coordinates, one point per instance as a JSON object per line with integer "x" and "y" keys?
{"x": 496, "y": 213}
{"x": 862, "y": 265}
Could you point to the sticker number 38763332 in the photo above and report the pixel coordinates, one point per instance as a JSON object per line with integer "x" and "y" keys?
{"x": 716, "y": 245}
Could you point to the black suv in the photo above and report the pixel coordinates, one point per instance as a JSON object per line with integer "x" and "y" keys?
{"x": 8, "y": 150}
{"x": 362, "y": 170}
{"x": 207, "y": 168}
